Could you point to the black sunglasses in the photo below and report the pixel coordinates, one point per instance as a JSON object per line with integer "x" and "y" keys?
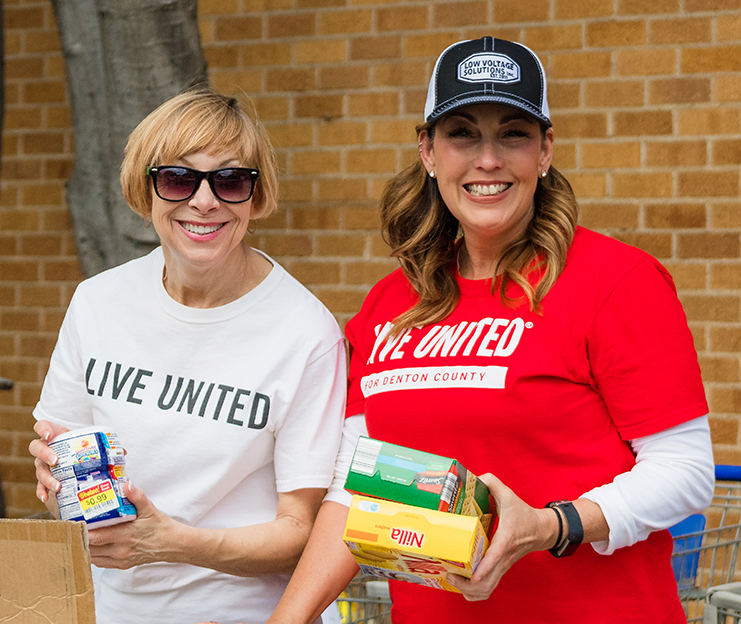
{"x": 232, "y": 185}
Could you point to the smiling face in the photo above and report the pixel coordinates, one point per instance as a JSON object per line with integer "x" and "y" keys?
{"x": 487, "y": 159}
{"x": 201, "y": 233}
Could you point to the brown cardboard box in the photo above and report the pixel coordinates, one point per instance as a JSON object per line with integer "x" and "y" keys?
{"x": 45, "y": 573}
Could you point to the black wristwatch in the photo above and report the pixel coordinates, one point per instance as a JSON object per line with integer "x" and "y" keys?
{"x": 575, "y": 532}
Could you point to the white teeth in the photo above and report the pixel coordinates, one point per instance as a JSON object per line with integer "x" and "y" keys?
{"x": 201, "y": 229}
{"x": 479, "y": 190}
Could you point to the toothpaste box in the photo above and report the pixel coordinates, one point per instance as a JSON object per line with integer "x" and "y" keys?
{"x": 413, "y": 544}
{"x": 405, "y": 475}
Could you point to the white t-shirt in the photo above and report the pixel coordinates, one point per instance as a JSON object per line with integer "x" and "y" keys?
{"x": 219, "y": 410}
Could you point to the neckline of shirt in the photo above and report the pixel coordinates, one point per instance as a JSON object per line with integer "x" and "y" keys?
{"x": 219, "y": 313}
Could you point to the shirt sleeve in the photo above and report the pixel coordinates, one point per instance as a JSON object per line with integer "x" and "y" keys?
{"x": 353, "y": 428}
{"x": 308, "y": 440}
{"x": 65, "y": 395}
{"x": 673, "y": 478}
{"x": 642, "y": 356}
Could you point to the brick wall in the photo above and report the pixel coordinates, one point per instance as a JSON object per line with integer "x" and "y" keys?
{"x": 646, "y": 104}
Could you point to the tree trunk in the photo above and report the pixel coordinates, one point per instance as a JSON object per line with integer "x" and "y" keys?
{"x": 123, "y": 58}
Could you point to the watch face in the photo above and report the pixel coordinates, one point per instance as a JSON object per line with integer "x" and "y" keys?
{"x": 574, "y": 529}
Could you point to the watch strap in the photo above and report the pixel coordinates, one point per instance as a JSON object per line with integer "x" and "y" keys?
{"x": 574, "y": 533}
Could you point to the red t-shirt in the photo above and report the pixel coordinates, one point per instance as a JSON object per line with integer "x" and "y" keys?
{"x": 546, "y": 402}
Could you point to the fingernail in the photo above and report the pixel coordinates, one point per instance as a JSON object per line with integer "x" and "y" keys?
{"x": 47, "y": 435}
{"x": 54, "y": 460}
{"x": 57, "y": 487}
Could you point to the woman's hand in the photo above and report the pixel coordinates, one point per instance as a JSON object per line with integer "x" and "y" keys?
{"x": 522, "y": 529}
{"x": 45, "y": 458}
{"x": 143, "y": 540}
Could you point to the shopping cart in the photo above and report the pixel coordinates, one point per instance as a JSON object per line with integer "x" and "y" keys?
{"x": 365, "y": 601}
{"x": 706, "y": 546}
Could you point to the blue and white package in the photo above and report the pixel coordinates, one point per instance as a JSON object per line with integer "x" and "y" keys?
{"x": 91, "y": 471}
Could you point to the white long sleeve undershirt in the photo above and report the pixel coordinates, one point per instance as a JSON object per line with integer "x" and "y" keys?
{"x": 674, "y": 477}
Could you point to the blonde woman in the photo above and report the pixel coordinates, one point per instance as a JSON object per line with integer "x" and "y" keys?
{"x": 553, "y": 361}
{"x": 223, "y": 377}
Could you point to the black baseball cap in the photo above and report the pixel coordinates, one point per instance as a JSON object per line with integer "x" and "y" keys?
{"x": 487, "y": 70}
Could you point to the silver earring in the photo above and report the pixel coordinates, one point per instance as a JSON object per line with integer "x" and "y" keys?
{"x": 432, "y": 174}
{"x": 543, "y": 174}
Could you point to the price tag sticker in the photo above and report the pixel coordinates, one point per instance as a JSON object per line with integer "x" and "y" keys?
{"x": 98, "y": 499}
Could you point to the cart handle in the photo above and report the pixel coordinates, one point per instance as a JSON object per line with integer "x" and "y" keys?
{"x": 727, "y": 472}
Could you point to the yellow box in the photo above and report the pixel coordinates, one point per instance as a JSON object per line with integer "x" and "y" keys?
{"x": 413, "y": 544}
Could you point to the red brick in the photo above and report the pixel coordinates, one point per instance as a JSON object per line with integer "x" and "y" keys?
{"x": 658, "y": 245}
{"x": 718, "y": 308}
{"x": 581, "y": 65}
{"x": 345, "y": 22}
{"x": 580, "y": 9}
{"x": 645, "y": 62}
{"x": 290, "y": 79}
{"x": 676, "y": 31}
{"x": 676, "y": 153}
{"x": 554, "y": 37}
{"x": 451, "y": 14}
{"x": 615, "y": 93}
{"x": 580, "y": 125}
{"x": 296, "y": 24}
{"x": 675, "y": 216}
{"x": 608, "y": 215}
{"x": 708, "y": 183}
{"x": 611, "y": 155}
{"x": 315, "y": 218}
{"x": 371, "y": 48}
{"x": 711, "y": 5}
{"x": 402, "y": 18}
{"x": 709, "y": 245}
{"x": 326, "y": 106}
{"x": 388, "y": 74}
{"x": 234, "y": 28}
{"x": 640, "y": 7}
{"x": 510, "y": 11}
{"x": 611, "y": 33}
{"x": 643, "y": 123}
{"x": 340, "y": 245}
{"x": 725, "y": 275}
{"x": 344, "y": 77}
{"x": 723, "y": 58}
{"x": 716, "y": 120}
{"x": 679, "y": 91}
{"x": 639, "y": 184}
{"x": 344, "y": 189}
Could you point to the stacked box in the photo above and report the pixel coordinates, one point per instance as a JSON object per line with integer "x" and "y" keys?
{"x": 405, "y": 475}
{"x": 415, "y": 516}
{"x": 413, "y": 544}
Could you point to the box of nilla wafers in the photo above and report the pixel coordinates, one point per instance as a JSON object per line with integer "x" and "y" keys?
{"x": 415, "y": 516}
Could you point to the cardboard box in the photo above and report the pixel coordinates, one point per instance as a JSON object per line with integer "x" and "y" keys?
{"x": 413, "y": 544}
{"x": 405, "y": 475}
{"x": 45, "y": 573}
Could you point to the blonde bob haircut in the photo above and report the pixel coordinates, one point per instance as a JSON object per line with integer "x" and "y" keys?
{"x": 199, "y": 120}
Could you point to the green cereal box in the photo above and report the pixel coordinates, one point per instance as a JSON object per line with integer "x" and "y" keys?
{"x": 412, "y": 477}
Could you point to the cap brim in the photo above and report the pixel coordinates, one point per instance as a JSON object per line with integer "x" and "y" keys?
{"x": 488, "y": 98}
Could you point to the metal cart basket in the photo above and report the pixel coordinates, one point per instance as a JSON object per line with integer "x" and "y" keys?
{"x": 706, "y": 546}
{"x": 723, "y": 604}
{"x": 365, "y": 601}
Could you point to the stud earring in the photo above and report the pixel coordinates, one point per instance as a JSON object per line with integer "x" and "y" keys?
{"x": 432, "y": 174}
{"x": 543, "y": 174}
